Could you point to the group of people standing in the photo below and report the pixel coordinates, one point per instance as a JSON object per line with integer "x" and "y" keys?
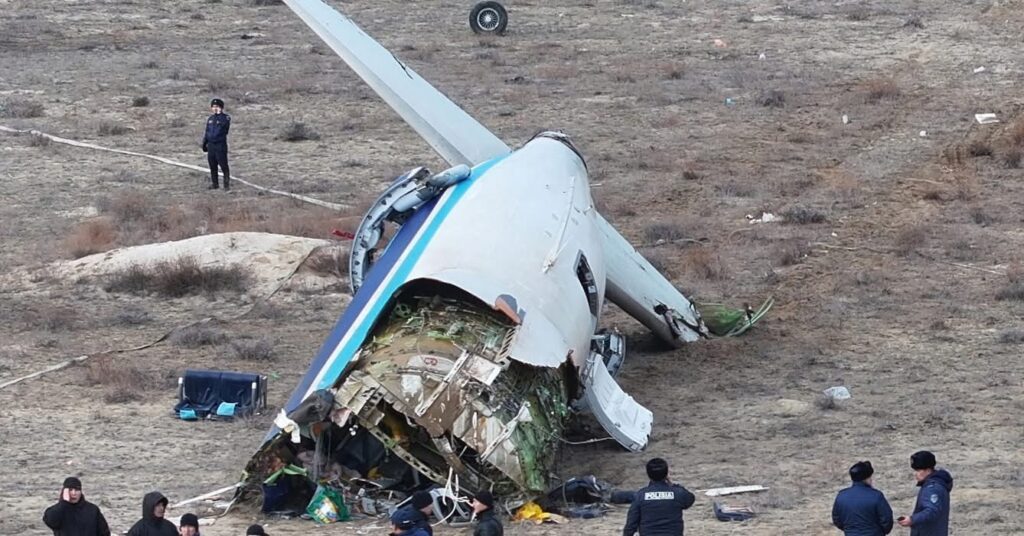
{"x": 862, "y": 510}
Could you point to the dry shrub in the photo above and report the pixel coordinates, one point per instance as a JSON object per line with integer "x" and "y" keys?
{"x": 328, "y": 262}
{"x": 790, "y": 252}
{"x": 1012, "y": 336}
{"x": 124, "y": 383}
{"x": 827, "y": 402}
{"x": 21, "y": 109}
{"x": 140, "y": 102}
{"x": 881, "y": 89}
{"x": 261, "y": 349}
{"x": 672, "y": 71}
{"x": 1012, "y": 157}
{"x": 92, "y": 236}
{"x": 660, "y": 262}
{"x": 128, "y": 208}
{"x": 979, "y": 148}
{"x": 177, "y": 278}
{"x": 910, "y": 239}
{"x": 297, "y": 131}
{"x": 36, "y": 140}
{"x": 1014, "y": 290}
{"x": 131, "y": 316}
{"x": 914, "y": 21}
{"x": 803, "y": 215}
{"x": 50, "y": 317}
{"x": 196, "y": 336}
{"x": 1015, "y": 135}
{"x": 110, "y": 128}
{"x": 771, "y": 98}
{"x": 981, "y": 217}
{"x": 705, "y": 264}
{"x": 663, "y": 232}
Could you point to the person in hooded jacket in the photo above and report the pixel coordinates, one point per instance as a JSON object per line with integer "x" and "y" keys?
{"x": 154, "y": 504}
{"x": 487, "y": 521}
{"x": 861, "y": 510}
{"x": 73, "y": 515}
{"x": 931, "y": 511}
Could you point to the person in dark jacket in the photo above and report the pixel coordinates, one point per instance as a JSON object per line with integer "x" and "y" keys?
{"x": 188, "y": 525}
{"x": 931, "y": 512}
{"x": 861, "y": 510}
{"x": 487, "y": 522}
{"x": 73, "y": 515}
{"x": 154, "y": 504}
{"x": 657, "y": 509}
{"x": 405, "y": 522}
{"x": 215, "y": 143}
{"x": 419, "y": 509}
{"x": 255, "y": 530}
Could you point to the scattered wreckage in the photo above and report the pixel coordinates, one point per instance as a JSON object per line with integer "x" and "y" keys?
{"x": 473, "y": 334}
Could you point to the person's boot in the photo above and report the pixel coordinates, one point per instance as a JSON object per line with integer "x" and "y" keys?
{"x": 227, "y": 184}
{"x": 213, "y": 186}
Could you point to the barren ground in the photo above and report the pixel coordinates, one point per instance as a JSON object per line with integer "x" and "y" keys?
{"x": 904, "y": 284}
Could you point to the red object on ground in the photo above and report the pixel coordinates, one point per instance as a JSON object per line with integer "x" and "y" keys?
{"x": 343, "y": 234}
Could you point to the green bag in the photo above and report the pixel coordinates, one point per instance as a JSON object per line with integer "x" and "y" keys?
{"x": 327, "y": 506}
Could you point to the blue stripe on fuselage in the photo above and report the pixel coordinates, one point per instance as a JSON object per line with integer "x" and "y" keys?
{"x": 381, "y": 270}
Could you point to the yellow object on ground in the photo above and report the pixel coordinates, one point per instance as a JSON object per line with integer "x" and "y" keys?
{"x": 531, "y": 511}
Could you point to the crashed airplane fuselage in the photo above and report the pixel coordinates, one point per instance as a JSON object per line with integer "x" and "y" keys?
{"x": 473, "y": 332}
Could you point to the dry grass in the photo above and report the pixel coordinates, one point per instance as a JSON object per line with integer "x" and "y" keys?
{"x": 124, "y": 383}
{"x": 328, "y": 262}
{"x": 1012, "y": 157}
{"x": 1012, "y": 336}
{"x": 50, "y": 317}
{"x": 297, "y": 131}
{"x": 771, "y": 98}
{"x": 140, "y": 102}
{"x": 881, "y": 89}
{"x": 910, "y": 239}
{"x": 196, "y": 336}
{"x": 1015, "y": 134}
{"x": 92, "y": 236}
{"x": 127, "y": 208}
{"x": 261, "y": 349}
{"x": 663, "y": 232}
{"x": 177, "y": 278}
{"x": 979, "y": 148}
{"x": 35, "y": 140}
{"x": 803, "y": 215}
{"x": 110, "y": 128}
{"x": 131, "y": 316}
{"x": 790, "y": 252}
{"x": 21, "y": 109}
{"x": 705, "y": 264}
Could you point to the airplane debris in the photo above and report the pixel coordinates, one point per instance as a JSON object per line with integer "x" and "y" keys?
{"x": 979, "y": 70}
{"x": 765, "y": 217}
{"x": 726, "y": 512}
{"x": 985, "y": 119}
{"x": 838, "y": 393}
{"x": 731, "y": 490}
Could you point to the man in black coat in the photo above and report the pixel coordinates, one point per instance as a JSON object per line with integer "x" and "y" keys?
{"x": 487, "y": 522}
{"x": 861, "y": 510}
{"x": 215, "y": 143}
{"x": 154, "y": 504}
{"x": 657, "y": 509}
{"x": 73, "y": 515}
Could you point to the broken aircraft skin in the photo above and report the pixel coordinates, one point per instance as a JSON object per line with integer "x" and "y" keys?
{"x": 473, "y": 333}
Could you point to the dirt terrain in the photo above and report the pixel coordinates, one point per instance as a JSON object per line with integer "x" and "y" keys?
{"x": 897, "y": 271}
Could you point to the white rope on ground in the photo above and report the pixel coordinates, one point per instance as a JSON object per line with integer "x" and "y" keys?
{"x": 168, "y": 161}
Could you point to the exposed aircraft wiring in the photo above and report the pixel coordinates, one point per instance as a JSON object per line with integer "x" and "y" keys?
{"x": 168, "y": 161}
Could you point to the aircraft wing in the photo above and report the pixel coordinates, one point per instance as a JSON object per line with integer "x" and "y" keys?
{"x": 453, "y": 133}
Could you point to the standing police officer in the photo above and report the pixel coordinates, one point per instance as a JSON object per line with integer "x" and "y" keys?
{"x": 657, "y": 509}
{"x": 931, "y": 512}
{"x": 215, "y": 143}
{"x": 861, "y": 510}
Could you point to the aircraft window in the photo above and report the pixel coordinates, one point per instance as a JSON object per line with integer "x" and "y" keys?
{"x": 586, "y": 278}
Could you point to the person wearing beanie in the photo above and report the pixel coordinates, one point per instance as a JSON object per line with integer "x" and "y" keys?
{"x": 404, "y": 522}
{"x": 215, "y": 144}
{"x": 73, "y": 515}
{"x": 487, "y": 522}
{"x": 862, "y": 510}
{"x": 154, "y": 505}
{"x": 931, "y": 511}
{"x": 420, "y": 506}
{"x": 188, "y": 525}
{"x": 255, "y": 530}
{"x": 658, "y": 508}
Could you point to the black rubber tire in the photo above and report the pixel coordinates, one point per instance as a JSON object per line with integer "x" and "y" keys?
{"x": 488, "y": 18}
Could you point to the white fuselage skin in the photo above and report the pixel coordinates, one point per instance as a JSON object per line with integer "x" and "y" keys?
{"x": 518, "y": 230}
